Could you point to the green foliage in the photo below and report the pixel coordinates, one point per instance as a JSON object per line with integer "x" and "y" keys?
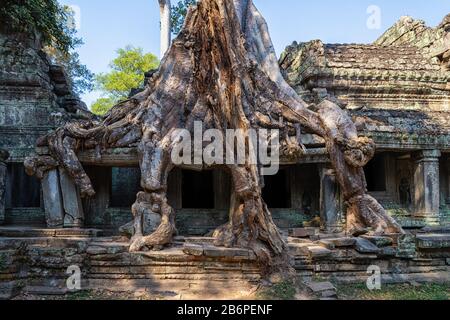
{"x": 46, "y": 17}
{"x": 178, "y": 14}
{"x": 285, "y": 290}
{"x": 55, "y": 24}
{"x": 102, "y": 106}
{"x": 127, "y": 73}
{"x": 80, "y": 77}
{"x": 396, "y": 292}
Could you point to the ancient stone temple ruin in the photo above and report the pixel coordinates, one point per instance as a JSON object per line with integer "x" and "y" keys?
{"x": 397, "y": 91}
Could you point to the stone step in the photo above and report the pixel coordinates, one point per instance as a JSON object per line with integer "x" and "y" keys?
{"x": 433, "y": 241}
{"x": 9, "y": 290}
{"x": 46, "y": 290}
{"x": 27, "y": 232}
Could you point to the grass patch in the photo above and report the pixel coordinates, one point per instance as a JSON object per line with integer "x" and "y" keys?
{"x": 395, "y": 292}
{"x": 281, "y": 291}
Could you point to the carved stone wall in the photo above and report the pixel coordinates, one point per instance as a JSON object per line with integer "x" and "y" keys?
{"x": 35, "y": 98}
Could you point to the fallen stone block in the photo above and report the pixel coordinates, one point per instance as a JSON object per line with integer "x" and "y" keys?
{"x": 319, "y": 252}
{"x": 365, "y": 246}
{"x": 320, "y": 287}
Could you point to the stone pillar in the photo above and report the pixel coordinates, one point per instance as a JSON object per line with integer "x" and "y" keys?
{"x": 4, "y": 155}
{"x": 426, "y": 186}
{"x": 73, "y": 207}
{"x": 447, "y": 165}
{"x": 330, "y": 201}
{"x": 53, "y": 204}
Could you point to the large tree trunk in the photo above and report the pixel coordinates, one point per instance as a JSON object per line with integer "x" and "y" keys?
{"x": 221, "y": 70}
{"x": 164, "y": 12}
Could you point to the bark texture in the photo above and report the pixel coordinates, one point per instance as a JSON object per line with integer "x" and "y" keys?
{"x": 221, "y": 70}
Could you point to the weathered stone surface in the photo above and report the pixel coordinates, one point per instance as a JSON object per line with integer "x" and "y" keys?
{"x": 211, "y": 251}
{"x": 388, "y": 252}
{"x": 365, "y": 246}
{"x": 339, "y": 242}
{"x": 303, "y": 232}
{"x": 426, "y": 181}
{"x": 330, "y": 209}
{"x": 317, "y": 252}
{"x": 433, "y": 241}
{"x": 53, "y": 203}
{"x": 46, "y": 291}
{"x": 9, "y": 290}
{"x": 3, "y": 157}
{"x": 299, "y": 249}
{"x": 73, "y": 207}
{"x": 380, "y": 242}
{"x": 193, "y": 250}
{"x": 325, "y": 289}
{"x": 151, "y": 221}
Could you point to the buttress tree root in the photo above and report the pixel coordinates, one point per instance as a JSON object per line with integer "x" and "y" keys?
{"x": 221, "y": 70}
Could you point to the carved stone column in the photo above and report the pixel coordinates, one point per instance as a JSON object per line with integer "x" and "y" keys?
{"x": 426, "y": 186}
{"x": 330, "y": 203}
{"x": 73, "y": 206}
{"x": 4, "y": 155}
{"x": 53, "y": 204}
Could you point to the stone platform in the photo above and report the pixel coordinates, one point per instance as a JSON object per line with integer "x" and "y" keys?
{"x": 37, "y": 260}
{"x": 39, "y": 264}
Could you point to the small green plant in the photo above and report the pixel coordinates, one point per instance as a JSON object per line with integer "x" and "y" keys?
{"x": 281, "y": 291}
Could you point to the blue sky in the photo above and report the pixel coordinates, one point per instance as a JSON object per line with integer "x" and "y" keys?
{"x": 107, "y": 25}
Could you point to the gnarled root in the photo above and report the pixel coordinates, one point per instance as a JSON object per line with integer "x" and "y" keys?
{"x": 365, "y": 211}
{"x": 251, "y": 225}
{"x": 164, "y": 233}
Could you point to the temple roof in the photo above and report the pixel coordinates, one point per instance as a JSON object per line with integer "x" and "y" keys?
{"x": 398, "y": 84}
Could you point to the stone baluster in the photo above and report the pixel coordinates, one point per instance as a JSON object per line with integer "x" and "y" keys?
{"x": 4, "y": 155}
{"x": 426, "y": 186}
{"x": 330, "y": 204}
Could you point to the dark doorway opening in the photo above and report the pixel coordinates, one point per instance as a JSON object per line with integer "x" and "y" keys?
{"x": 277, "y": 191}
{"x": 24, "y": 191}
{"x": 197, "y": 189}
{"x": 125, "y": 185}
{"x": 375, "y": 172}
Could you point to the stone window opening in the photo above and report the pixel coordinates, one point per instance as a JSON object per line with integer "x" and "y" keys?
{"x": 22, "y": 191}
{"x": 125, "y": 185}
{"x": 375, "y": 172}
{"x": 197, "y": 189}
{"x": 277, "y": 191}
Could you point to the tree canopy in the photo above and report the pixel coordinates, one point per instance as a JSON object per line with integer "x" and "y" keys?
{"x": 46, "y": 17}
{"x": 178, "y": 14}
{"x": 55, "y": 25}
{"x": 127, "y": 73}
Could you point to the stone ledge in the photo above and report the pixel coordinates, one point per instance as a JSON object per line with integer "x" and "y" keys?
{"x": 433, "y": 241}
